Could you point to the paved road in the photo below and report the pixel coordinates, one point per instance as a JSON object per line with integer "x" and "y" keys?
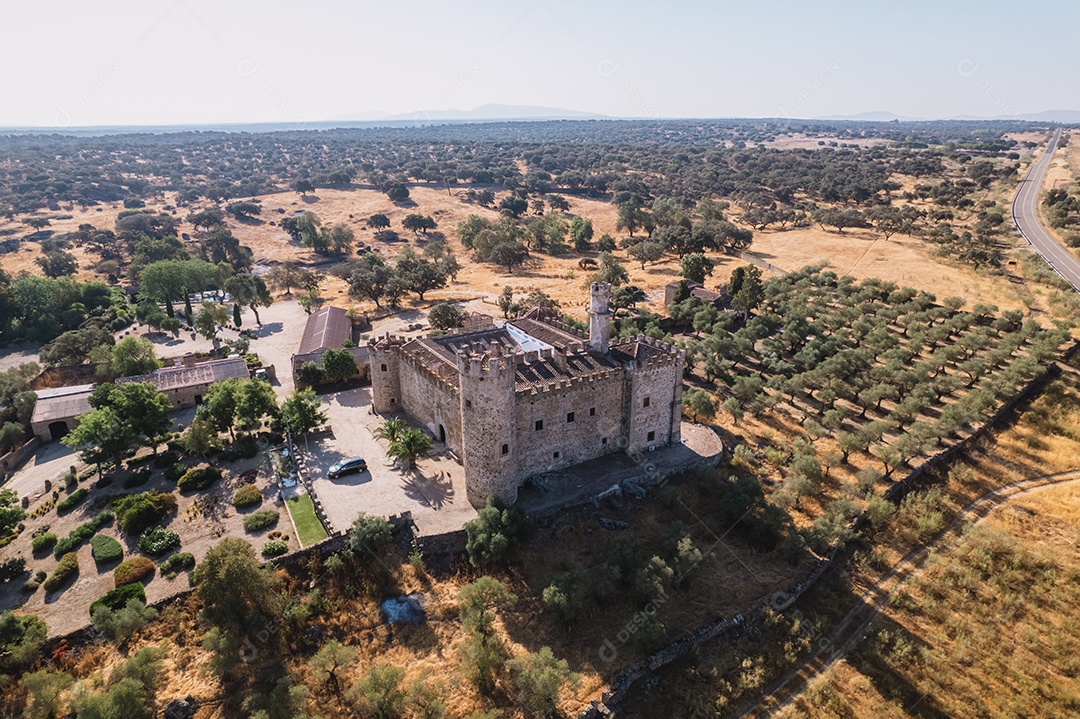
{"x": 1025, "y": 214}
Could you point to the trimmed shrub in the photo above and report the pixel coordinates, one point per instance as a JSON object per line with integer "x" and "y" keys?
{"x": 176, "y": 564}
{"x": 136, "y": 569}
{"x": 82, "y": 534}
{"x": 173, "y": 472}
{"x": 198, "y": 479}
{"x": 247, "y": 496}
{"x": 138, "y": 478}
{"x": 136, "y": 512}
{"x": 105, "y": 549}
{"x": 42, "y": 543}
{"x": 35, "y": 581}
{"x": 117, "y": 599}
{"x": 157, "y": 540}
{"x": 261, "y": 520}
{"x": 71, "y": 501}
{"x": 275, "y": 548}
{"x": 65, "y": 570}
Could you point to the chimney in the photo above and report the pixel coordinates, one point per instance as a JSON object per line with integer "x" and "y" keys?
{"x": 599, "y": 317}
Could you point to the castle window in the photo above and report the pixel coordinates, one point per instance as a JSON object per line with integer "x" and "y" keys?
{"x": 556, "y": 455}
{"x": 645, "y": 402}
{"x": 569, "y": 416}
{"x": 652, "y": 436}
{"x": 592, "y": 411}
{"x": 383, "y": 368}
{"x": 468, "y": 403}
{"x": 539, "y": 425}
{"x": 506, "y": 449}
{"x": 603, "y": 441}
{"x": 393, "y": 401}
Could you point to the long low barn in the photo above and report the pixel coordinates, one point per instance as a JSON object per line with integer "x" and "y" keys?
{"x": 186, "y": 385}
{"x": 57, "y": 410}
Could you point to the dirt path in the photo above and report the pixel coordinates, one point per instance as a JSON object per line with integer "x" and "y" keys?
{"x": 852, "y": 628}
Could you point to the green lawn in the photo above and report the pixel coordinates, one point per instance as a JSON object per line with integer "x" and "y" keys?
{"x": 307, "y": 523}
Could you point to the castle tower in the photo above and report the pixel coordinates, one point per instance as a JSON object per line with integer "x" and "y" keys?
{"x": 385, "y": 376}
{"x": 487, "y": 426}
{"x": 599, "y": 317}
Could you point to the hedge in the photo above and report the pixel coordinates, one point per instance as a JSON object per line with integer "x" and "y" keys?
{"x": 65, "y": 570}
{"x": 198, "y": 478}
{"x": 177, "y": 563}
{"x": 157, "y": 540}
{"x": 138, "y": 478}
{"x": 136, "y": 569}
{"x": 261, "y": 520}
{"x": 275, "y": 548}
{"x": 105, "y": 549}
{"x": 136, "y": 512}
{"x": 82, "y": 534}
{"x": 246, "y": 496}
{"x": 117, "y": 599}
{"x": 72, "y": 500}
{"x": 43, "y": 542}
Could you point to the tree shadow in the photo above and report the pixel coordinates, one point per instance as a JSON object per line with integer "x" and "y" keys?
{"x": 269, "y": 328}
{"x": 435, "y": 491}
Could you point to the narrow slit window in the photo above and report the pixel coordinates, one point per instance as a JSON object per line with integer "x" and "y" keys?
{"x": 569, "y": 417}
{"x": 539, "y": 425}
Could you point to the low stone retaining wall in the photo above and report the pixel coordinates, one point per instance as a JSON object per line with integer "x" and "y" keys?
{"x": 732, "y": 627}
{"x": 11, "y": 461}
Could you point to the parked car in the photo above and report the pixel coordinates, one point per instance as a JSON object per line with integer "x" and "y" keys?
{"x": 347, "y": 466}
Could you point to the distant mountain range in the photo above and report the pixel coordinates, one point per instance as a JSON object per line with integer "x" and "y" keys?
{"x": 491, "y": 111}
{"x": 1067, "y": 117}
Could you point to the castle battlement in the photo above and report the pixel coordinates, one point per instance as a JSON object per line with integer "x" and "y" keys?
{"x": 386, "y": 342}
{"x": 504, "y": 397}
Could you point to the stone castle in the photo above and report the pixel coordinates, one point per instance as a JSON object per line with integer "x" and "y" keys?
{"x": 531, "y": 395}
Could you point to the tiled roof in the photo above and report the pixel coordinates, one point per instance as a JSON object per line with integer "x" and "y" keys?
{"x": 61, "y": 403}
{"x": 326, "y": 329}
{"x": 180, "y": 377}
{"x": 546, "y": 333}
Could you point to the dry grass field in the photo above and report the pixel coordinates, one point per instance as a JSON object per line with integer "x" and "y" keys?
{"x": 860, "y": 253}
{"x": 989, "y": 629}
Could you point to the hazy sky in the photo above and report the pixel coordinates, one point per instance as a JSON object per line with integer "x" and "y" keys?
{"x": 212, "y": 61}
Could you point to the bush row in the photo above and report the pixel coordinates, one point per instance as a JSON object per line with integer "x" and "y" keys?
{"x": 82, "y": 534}
{"x": 65, "y": 570}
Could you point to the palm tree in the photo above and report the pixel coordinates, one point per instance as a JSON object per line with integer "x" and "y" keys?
{"x": 391, "y": 429}
{"x": 410, "y": 446}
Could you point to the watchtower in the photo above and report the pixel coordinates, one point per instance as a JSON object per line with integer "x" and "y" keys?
{"x": 385, "y": 374}
{"x": 487, "y": 424}
{"x": 599, "y": 317}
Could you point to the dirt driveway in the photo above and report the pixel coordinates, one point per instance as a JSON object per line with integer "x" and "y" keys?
{"x": 434, "y": 492}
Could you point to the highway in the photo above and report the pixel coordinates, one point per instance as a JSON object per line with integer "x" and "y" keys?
{"x": 1025, "y": 215}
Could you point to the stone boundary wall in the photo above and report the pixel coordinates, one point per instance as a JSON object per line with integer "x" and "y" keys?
{"x": 732, "y": 627}
{"x": 14, "y": 459}
{"x": 755, "y": 260}
{"x": 305, "y": 479}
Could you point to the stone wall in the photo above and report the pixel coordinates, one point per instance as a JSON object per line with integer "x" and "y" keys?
{"x": 731, "y": 627}
{"x": 430, "y": 403}
{"x": 596, "y": 428}
{"x": 11, "y": 461}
